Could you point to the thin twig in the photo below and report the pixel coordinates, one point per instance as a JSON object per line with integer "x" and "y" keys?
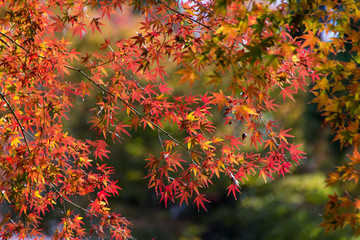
{"x": 183, "y": 15}
{"x": 85, "y": 210}
{"x": 17, "y": 120}
{"x": 123, "y": 70}
{"x": 122, "y": 100}
{"x": 238, "y": 63}
{"x": 134, "y": 110}
{"x": 4, "y": 43}
{"x": 12, "y": 40}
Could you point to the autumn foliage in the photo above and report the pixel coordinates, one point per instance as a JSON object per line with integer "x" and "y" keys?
{"x": 246, "y": 54}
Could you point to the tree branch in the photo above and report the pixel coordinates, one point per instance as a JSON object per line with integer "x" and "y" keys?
{"x": 85, "y": 210}
{"x": 122, "y": 100}
{"x": 135, "y": 111}
{"x": 17, "y": 120}
{"x": 183, "y": 15}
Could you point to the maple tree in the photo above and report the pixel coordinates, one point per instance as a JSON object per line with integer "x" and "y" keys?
{"x": 242, "y": 52}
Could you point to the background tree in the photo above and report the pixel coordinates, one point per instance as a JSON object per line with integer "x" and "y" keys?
{"x": 237, "y": 58}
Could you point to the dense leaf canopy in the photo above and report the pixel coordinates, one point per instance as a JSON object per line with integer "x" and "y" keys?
{"x": 238, "y": 59}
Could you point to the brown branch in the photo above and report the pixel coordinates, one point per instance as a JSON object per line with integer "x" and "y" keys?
{"x": 135, "y": 111}
{"x": 183, "y": 15}
{"x": 17, "y": 120}
{"x": 85, "y": 210}
{"x": 12, "y": 40}
{"x": 4, "y": 43}
{"x": 122, "y": 100}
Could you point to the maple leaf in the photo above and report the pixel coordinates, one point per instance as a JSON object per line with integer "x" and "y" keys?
{"x": 174, "y": 160}
{"x": 199, "y": 200}
{"x": 233, "y": 188}
{"x": 270, "y": 105}
{"x": 164, "y": 89}
{"x": 188, "y": 75}
{"x": 310, "y": 40}
{"x": 295, "y": 152}
{"x": 120, "y": 128}
{"x": 167, "y": 194}
{"x": 283, "y": 135}
{"x": 79, "y": 28}
{"x": 100, "y": 149}
{"x": 73, "y": 54}
{"x": 234, "y": 141}
{"x": 357, "y": 204}
{"x": 94, "y": 24}
{"x": 184, "y": 196}
{"x": 270, "y": 143}
{"x": 287, "y": 92}
{"x": 284, "y": 168}
{"x": 206, "y": 99}
{"x": 220, "y": 99}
